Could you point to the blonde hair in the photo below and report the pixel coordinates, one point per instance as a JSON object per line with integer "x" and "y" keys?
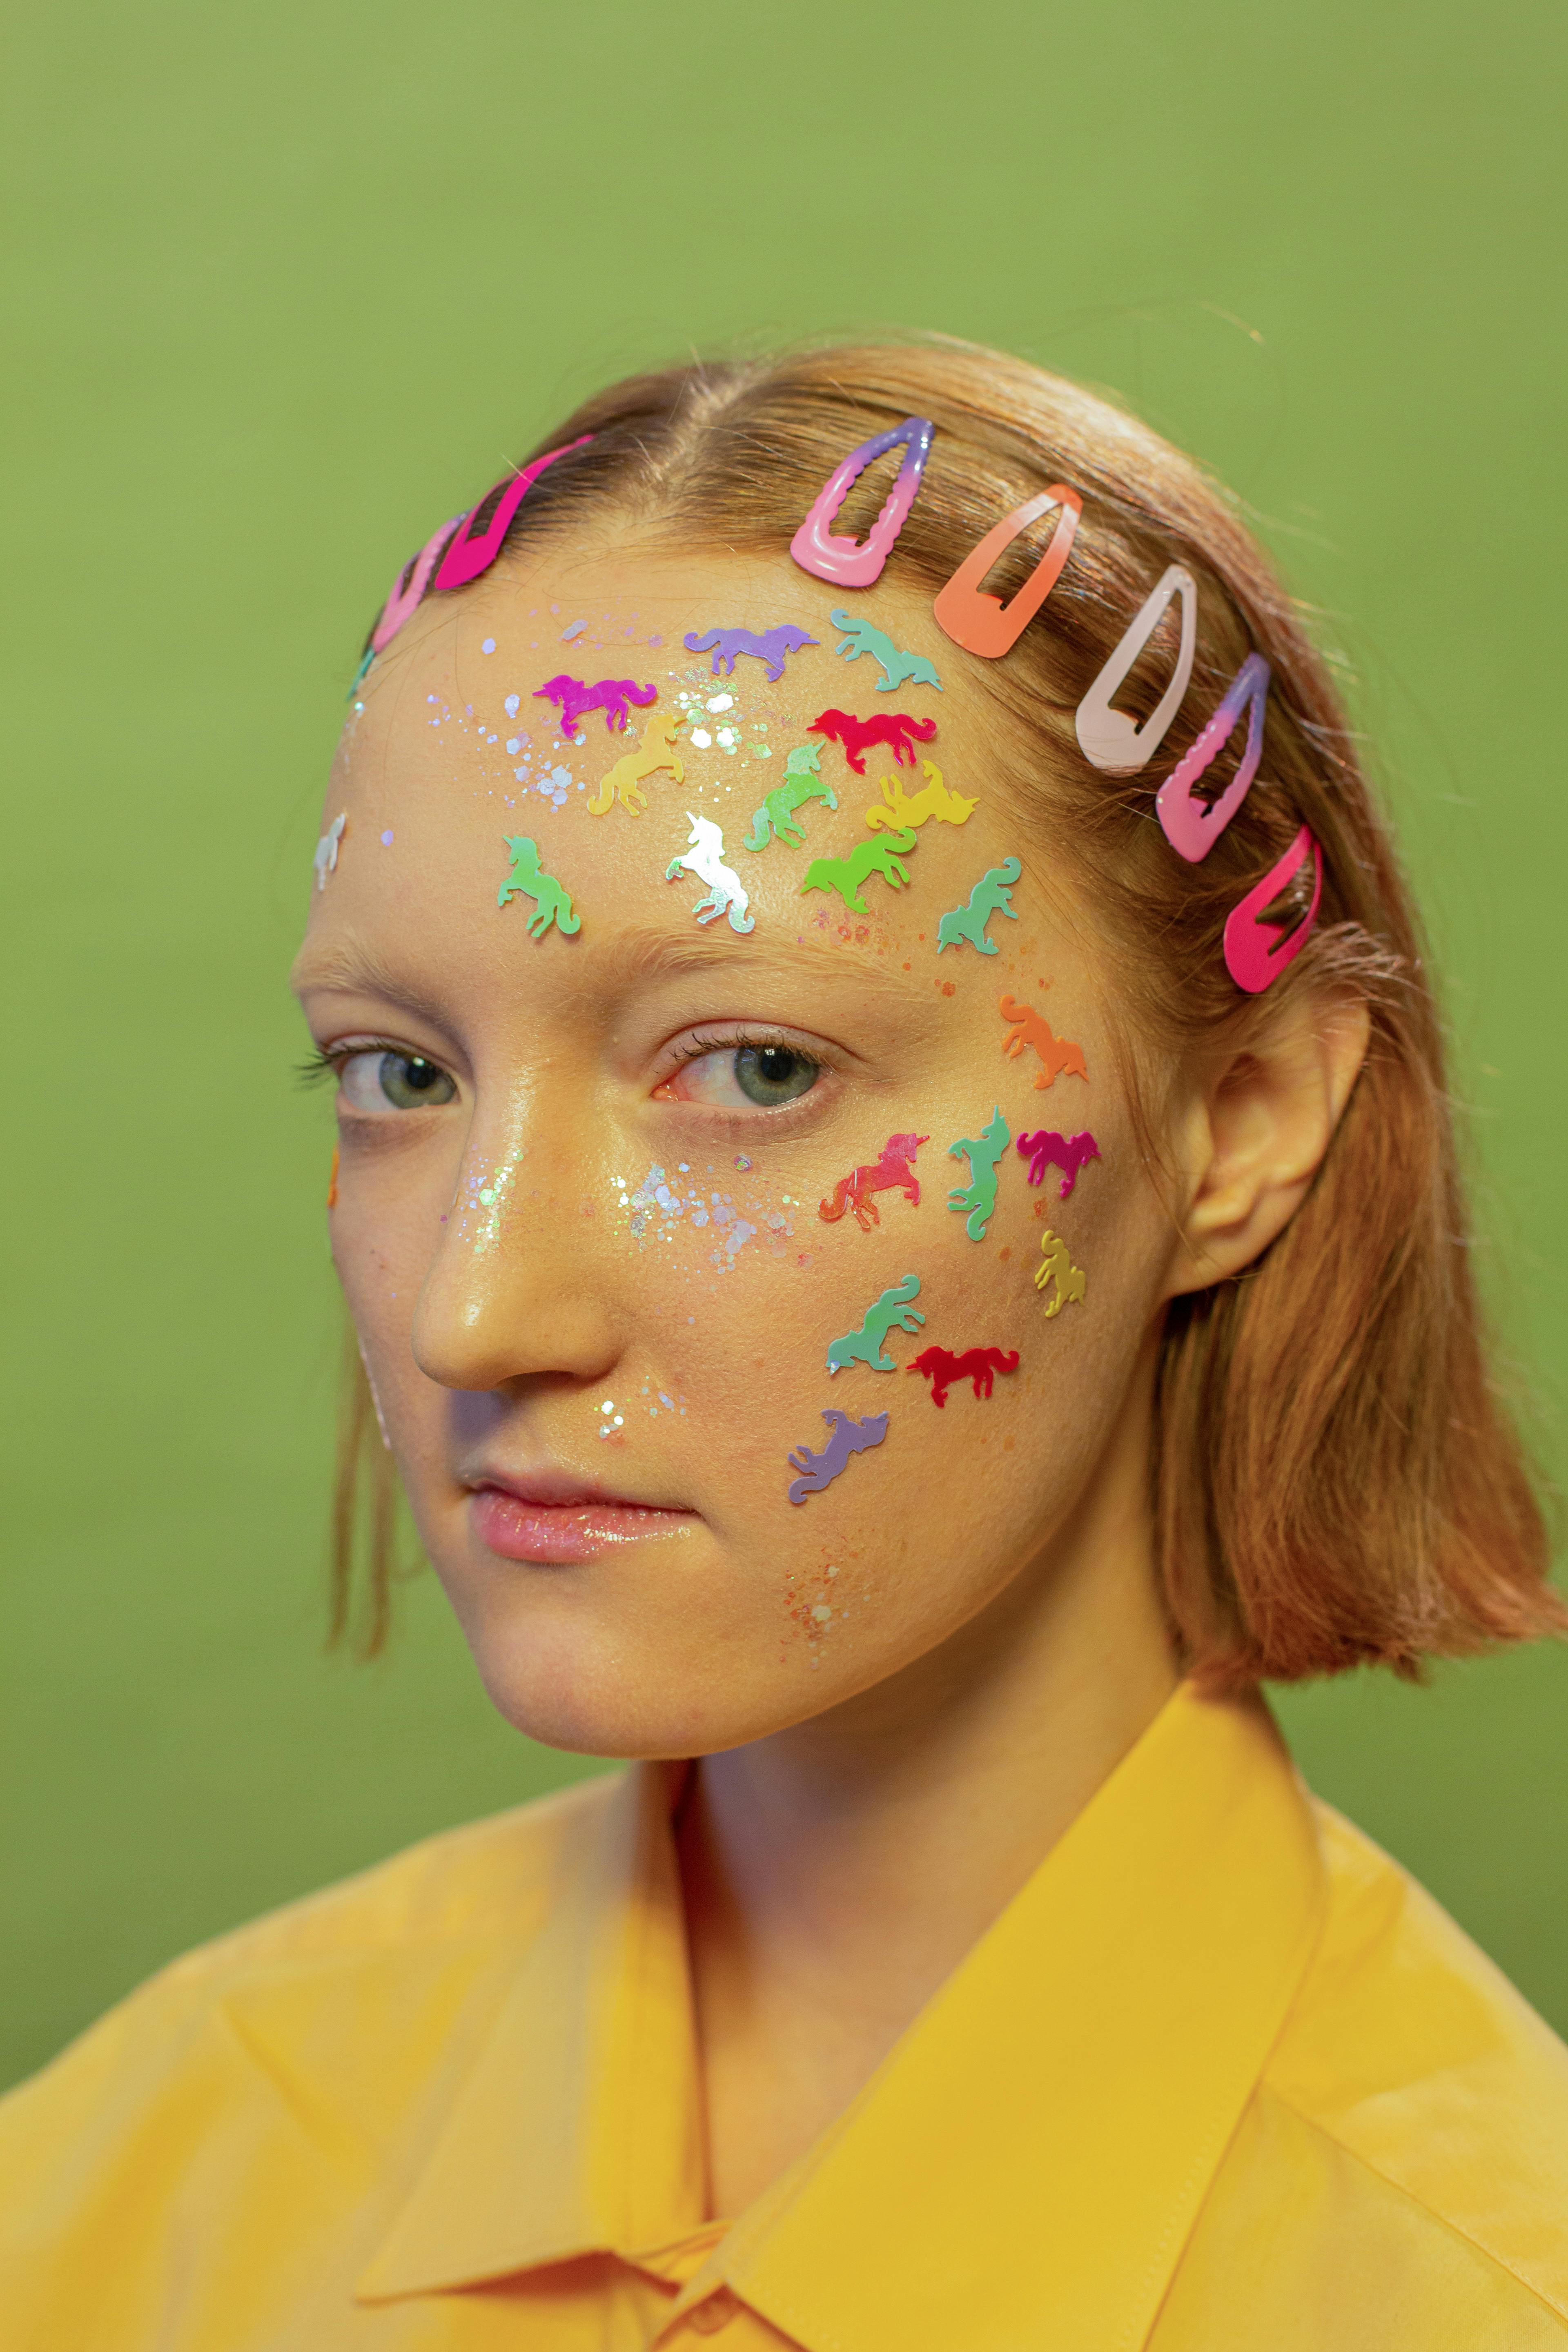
{"x": 1334, "y": 1477}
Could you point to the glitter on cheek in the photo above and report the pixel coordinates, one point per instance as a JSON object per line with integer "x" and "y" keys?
{"x": 387, "y": 838}
{"x": 488, "y": 645}
{"x": 512, "y": 705}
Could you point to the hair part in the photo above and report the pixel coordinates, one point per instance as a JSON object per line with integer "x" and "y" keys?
{"x": 1334, "y": 1478}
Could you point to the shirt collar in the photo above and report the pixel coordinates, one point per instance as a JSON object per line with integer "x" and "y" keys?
{"x": 1039, "y": 2140}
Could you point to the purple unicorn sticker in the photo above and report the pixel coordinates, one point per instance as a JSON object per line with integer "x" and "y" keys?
{"x": 610, "y": 695}
{"x": 1068, "y": 1152}
{"x": 845, "y": 1437}
{"x": 727, "y": 646}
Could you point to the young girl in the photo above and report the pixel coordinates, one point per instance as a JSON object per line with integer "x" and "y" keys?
{"x": 897, "y": 1199}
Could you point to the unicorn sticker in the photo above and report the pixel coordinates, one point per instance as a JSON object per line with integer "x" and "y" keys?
{"x": 705, "y": 859}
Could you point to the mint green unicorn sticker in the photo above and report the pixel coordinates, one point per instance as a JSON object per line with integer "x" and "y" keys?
{"x": 975, "y": 1201}
{"x": 892, "y": 1312}
{"x": 528, "y": 879}
{"x": 992, "y": 895}
{"x": 801, "y": 783}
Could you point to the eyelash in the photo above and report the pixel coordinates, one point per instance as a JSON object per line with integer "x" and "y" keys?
{"x": 318, "y": 1065}
{"x": 735, "y": 1041}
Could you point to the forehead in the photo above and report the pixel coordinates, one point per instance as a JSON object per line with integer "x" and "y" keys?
{"x": 627, "y": 712}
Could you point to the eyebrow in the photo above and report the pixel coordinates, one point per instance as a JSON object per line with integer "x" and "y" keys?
{"x": 645, "y": 954}
{"x": 637, "y": 954}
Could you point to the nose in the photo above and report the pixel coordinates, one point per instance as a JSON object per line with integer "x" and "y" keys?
{"x": 515, "y": 1291}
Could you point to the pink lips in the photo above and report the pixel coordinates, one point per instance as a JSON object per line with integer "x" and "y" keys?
{"x": 558, "y": 1522}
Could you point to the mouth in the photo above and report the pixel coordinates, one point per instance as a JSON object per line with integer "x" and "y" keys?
{"x": 555, "y": 1520}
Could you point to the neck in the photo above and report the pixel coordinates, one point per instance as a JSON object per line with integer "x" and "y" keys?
{"x": 837, "y": 1872}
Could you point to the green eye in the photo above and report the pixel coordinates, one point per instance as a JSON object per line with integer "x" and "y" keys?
{"x": 774, "y": 1074}
{"x": 382, "y": 1080}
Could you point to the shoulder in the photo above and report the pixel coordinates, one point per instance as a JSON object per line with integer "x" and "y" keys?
{"x": 428, "y": 1918}
{"x": 1413, "y": 2055}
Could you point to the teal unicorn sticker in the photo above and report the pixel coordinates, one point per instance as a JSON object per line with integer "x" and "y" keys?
{"x": 992, "y": 895}
{"x": 892, "y": 1312}
{"x": 975, "y": 1201}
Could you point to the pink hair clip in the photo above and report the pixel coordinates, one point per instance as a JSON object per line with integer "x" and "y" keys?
{"x": 1257, "y": 952}
{"x": 983, "y": 623}
{"x": 1109, "y": 738}
{"x": 478, "y": 540}
{"x": 1193, "y": 826}
{"x": 410, "y": 585}
{"x": 850, "y": 563}
{"x": 462, "y": 547}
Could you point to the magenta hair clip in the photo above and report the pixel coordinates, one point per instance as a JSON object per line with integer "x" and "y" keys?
{"x": 1257, "y": 952}
{"x": 1109, "y": 738}
{"x": 1193, "y": 826}
{"x": 409, "y": 586}
{"x": 852, "y": 562}
{"x": 481, "y": 532}
{"x": 983, "y": 623}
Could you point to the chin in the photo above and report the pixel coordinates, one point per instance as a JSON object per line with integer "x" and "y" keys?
{"x": 623, "y": 1692}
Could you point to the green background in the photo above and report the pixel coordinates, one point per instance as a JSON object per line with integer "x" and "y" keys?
{"x": 296, "y": 281}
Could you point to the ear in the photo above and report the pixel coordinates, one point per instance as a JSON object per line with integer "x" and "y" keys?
{"x": 1260, "y": 1120}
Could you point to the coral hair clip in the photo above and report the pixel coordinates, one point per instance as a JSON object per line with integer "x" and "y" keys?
{"x": 852, "y": 562}
{"x": 983, "y": 623}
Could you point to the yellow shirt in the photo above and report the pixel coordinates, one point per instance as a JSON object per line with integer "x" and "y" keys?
{"x": 1221, "y": 2079}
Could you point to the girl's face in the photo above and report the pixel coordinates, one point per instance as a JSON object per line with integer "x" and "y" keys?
{"x": 623, "y": 1179}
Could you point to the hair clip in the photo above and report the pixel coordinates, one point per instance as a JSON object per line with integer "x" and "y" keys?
{"x": 1257, "y": 952}
{"x": 409, "y": 588}
{"x": 1193, "y": 826}
{"x": 983, "y": 623}
{"x": 454, "y": 554}
{"x": 482, "y": 530}
{"x": 1109, "y": 738}
{"x": 855, "y": 563}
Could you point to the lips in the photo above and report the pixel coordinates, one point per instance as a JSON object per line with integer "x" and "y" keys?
{"x": 555, "y": 1520}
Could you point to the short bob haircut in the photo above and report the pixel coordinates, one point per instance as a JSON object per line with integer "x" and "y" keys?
{"x": 1333, "y": 1478}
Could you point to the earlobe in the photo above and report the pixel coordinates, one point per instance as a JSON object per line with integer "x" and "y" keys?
{"x": 1258, "y": 1131}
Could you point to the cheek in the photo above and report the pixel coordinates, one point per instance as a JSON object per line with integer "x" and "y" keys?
{"x": 759, "y": 1317}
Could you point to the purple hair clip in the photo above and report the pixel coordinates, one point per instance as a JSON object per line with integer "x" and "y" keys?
{"x": 851, "y": 562}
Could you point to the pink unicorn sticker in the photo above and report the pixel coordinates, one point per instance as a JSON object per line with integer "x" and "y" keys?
{"x": 610, "y": 695}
